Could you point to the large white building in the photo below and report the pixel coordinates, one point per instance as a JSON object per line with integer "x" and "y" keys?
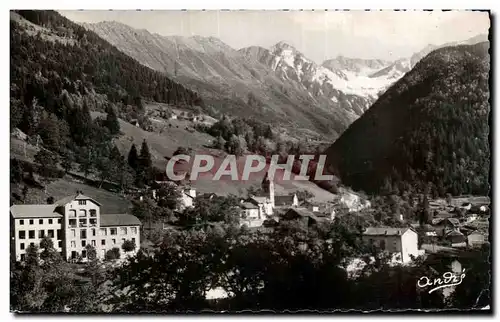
{"x": 402, "y": 243}
{"x": 73, "y": 223}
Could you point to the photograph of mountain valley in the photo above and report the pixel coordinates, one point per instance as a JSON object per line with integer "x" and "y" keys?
{"x": 380, "y": 118}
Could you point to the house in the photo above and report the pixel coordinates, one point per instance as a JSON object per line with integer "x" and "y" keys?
{"x": 187, "y": 198}
{"x": 302, "y": 216}
{"x": 263, "y": 203}
{"x": 268, "y": 201}
{"x": 401, "y": 242}
{"x": 444, "y": 225}
{"x": 475, "y": 239}
{"x": 250, "y": 215}
{"x": 456, "y": 238}
{"x": 72, "y": 223}
{"x": 290, "y": 200}
{"x": 173, "y": 116}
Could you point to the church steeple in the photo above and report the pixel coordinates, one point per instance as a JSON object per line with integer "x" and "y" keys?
{"x": 268, "y": 187}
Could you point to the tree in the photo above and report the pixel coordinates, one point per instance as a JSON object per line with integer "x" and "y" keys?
{"x": 47, "y": 161}
{"x": 48, "y": 129}
{"x": 145, "y": 166}
{"x": 168, "y": 195}
{"x": 133, "y": 158}
{"x": 128, "y": 246}
{"x": 50, "y": 200}
{"x": 68, "y": 157}
{"x": 113, "y": 254}
{"x": 112, "y": 122}
{"x": 16, "y": 171}
{"x": 233, "y": 146}
{"x": 219, "y": 143}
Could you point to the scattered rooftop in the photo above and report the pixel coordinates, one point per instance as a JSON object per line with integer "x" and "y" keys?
{"x": 34, "y": 211}
{"x": 119, "y": 220}
{"x": 385, "y": 231}
{"x": 78, "y": 196}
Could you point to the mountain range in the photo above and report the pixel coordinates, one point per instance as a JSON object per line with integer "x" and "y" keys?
{"x": 278, "y": 83}
{"x": 428, "y": 131}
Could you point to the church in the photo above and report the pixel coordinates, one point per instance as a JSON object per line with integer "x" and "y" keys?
{"x": 268, "y": 201}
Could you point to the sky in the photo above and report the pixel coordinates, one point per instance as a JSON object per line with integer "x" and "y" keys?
{"x": 319, "y": 35}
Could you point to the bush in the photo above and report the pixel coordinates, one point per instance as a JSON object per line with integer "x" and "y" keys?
{"x": 128, "y": 246}
{"x": 113, "y": 254}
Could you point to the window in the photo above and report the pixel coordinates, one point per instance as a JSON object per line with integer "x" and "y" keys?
{"x": 104, "y": 232}
{"x": 50, "y": 232}
{"x": 133, "y": 240}
{"x": 103, "y": 242}
{"x": 31, "y": 222}
{"x": 83, "y": 233}
{"x": 59, "y": 244}
{"x": 22, "y": 245}
{"x": 92, "y": 243}
{"x": 73, "y": 244}
{"x": 112, "y": 231}
{"x": 93, "y": 222}
{"x": 59, "y": 221}
{"x": 41, "y": 233}
{"x": 22, "y": 234}
{"x": 84, "y": 243}
{"x": 32, "y": 244}
{"x": 382, "y": 244}
{"x": 72, "y": 213}
{"x": 83, "y": 222}
{"x": 93, "y": 213}
{"x": 123, "y": 240}
{"x": 50, "y": 221}
{"x": 72, "y": 222}
{"x": 31, "y": 234}
{"x": 73, "y": 232}
{"x": 23, "y": 256}
{"x": 21, "y": 222}
{"x": 93, "y": 232}
{"x": 82, "y": 202}
{"x": 114, "y": 241}
{"x": 59, "y": 234}
{"x": 82, "y": 213}
{"x": 134, "y": 230}
{"x": 74, "y": 254}
{"x": 84, "y": 253}
{"x": 123, "y": 230}
{"x": 40, "y": 221}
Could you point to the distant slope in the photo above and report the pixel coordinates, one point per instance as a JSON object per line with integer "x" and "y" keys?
{"x": 397, "y": 69}
{"x": 38, "y": 50}
{"x": 431, "y": 126}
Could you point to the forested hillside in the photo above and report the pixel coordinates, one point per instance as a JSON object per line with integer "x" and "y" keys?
{"x": 59, "y": 73}
{"x": 428, "y": 131}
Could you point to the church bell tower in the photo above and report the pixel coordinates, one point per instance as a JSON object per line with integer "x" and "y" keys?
{"x": 268, "y": 187}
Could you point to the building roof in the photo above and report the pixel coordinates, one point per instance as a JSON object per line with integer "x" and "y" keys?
{"x": 304, "y": 212}
{"x": 34, "y": 211}
{"x": 283, "y": 200}
{"x": 119, "y": 220}
{"x": 78, "y": 196}
{"x": 385, "y": 231}
{"x": 248, "y": 205}
{"x": 258, "y": 200}
{"x": 454, "y": 233}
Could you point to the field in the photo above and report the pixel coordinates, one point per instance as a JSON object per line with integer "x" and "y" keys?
{"x": 163, "y": 145}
